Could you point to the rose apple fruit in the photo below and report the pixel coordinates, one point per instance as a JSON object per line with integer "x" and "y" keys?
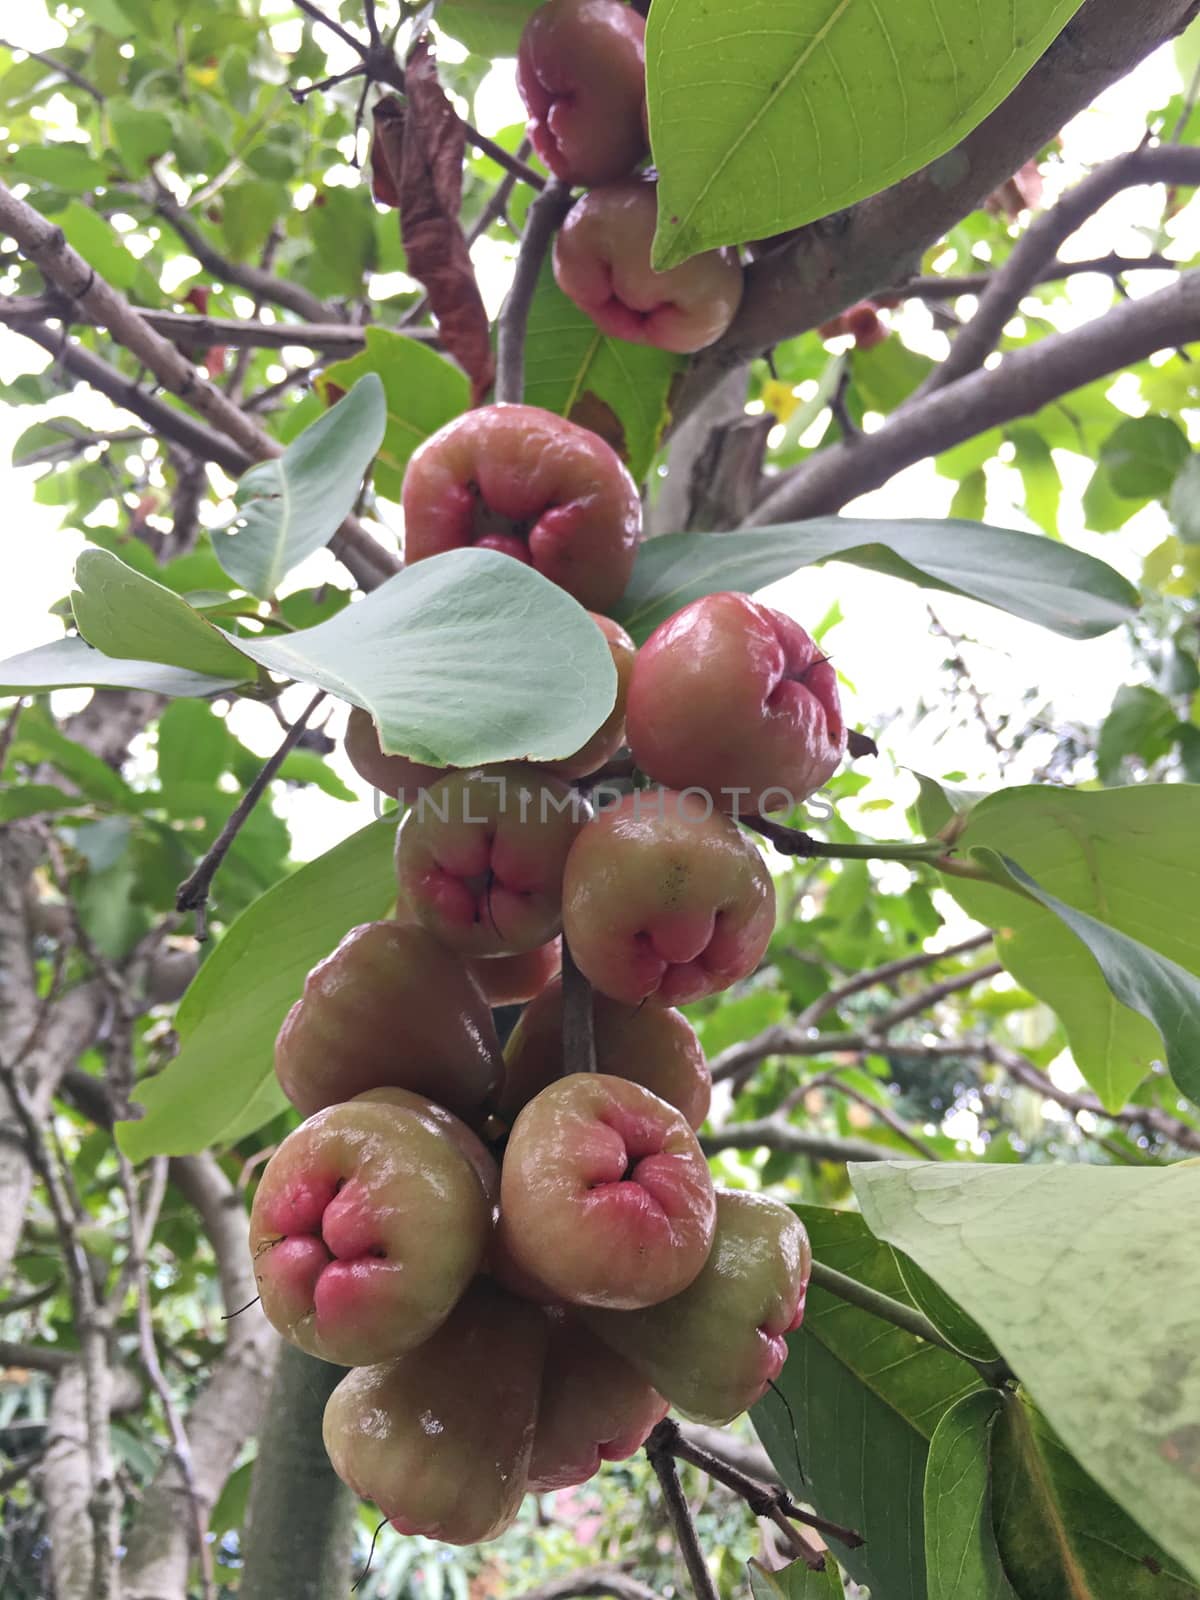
{"x": 440, "y": 1439}
{"x": 512, "y": 980}
{"x": 391, "y": 1007}
{"x": 610, "y": 735}
{"x": 602, "y": 263}
{"x": 480, "y": 858}
{"x": 714, "y": 1348}
{"x": 594, "y": 1407}
{"x": 581, "y": 71}
{"x": 369, "y": 1222}
{"x": 523, "y": 481}
{"x": 665, "y": 899}
{"x": 394, "y": 775}
{"x": 655, "y": 1046}
{"x": 605, "y": 1196}
{"x": 734, "y": 698}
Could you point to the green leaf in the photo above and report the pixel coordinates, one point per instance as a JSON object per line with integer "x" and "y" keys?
{"x": 222, "y": 1085}
{"x": 1143, "y": 456}
{"x": 1021, "y": 573}
{"x": 764, "y": 119}
{"x": 439, "y": 655}
{"x": 850, "y": 1377}
{"x": 1039, "y": 475}
{"x": 618, "y": 390}
{"x": 39, "y": 739}
{"x": 1166, "y": 994}
{"x": 960, "y": 1543}
{"x": 73, "y": 663}
{"x": 66, "y": 165}
{"x": 488, "y": 27}
{"x": 1125, "y": 856}
{"x": 128, "y": 615}
{"x": 795, "y": 1582}
{"x": 293, "y": 504}
{"x": 306, "y": 766}
{"x": 1085, "y": 1278}
{"x": 32, "y": 800}
{"x": 1057, "y": 1532}
{"x": 1142, "y": 723}
{"x": 970, "y": 498}
{"x": 1185, "y": 501}
{"x": 194, "y": 746}
{"x": 423, "y": 393}
{"x": 142, "y": 135}
{"x": 951, "y": 1321}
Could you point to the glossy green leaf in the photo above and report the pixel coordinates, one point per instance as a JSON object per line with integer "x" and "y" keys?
{"x": 440, "y": 656}
{"x": 797, "y": 1581}
{"x": 764, "y": 118}
{"x": 618, "y": 390}
{"x": 222, "y": 1084}
{"x": 293, "y": 504}
{"x": 1021, "y": 573}
{"x": 73, "y": 663}
{"x": 423, "y": 392}
{"x": 1124, "y": 856}
{"x": 1056, "y": 1530}
{"x": 128, "y": 615}
{"x": 1142, "y": 723}
{"x": 1158, "y": 989}
{"x": 1085, "y": 1278}
{"x": 1143, "y": 455}
{"x": 960, "y": 1545}
{"x": 850, "y": 1376}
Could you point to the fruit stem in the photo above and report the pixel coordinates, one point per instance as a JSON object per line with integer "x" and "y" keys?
{"x": 907, "y": 1318}
{"x": 541, "y": 224}
{"x": 579, "y": 1028}
{"x": 659, "y": 1450}
{"x": 927, "y": 852}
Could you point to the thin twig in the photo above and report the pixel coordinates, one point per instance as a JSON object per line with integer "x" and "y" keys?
{"x": 579, "y": 1030}
{"x": 545, "y": 215}
{"x": 887, "y": 973}
{"x": 660, "y": 1451}
{"x": 951, "y": 285}
{"x": 761, "y": 1497}
{"x": 69, "y": 73}
{"x": 193, "y": 892}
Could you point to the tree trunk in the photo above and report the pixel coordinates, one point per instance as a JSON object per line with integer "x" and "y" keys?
{"x": 300, "y": 1528}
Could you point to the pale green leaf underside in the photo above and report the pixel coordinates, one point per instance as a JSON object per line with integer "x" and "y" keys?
{"x": 293, "y": 504}
{"x": 73, "y": 663}
{"x": 766, "y": 115}
{"x": 1124, "y": 856}
{"x": 221, "y": 1085}
{"x": 1024, "y": 574}
{"x": 1085, "y": 1277}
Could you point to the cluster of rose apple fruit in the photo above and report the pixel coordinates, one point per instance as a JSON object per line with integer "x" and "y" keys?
{"x": 523, "y": 1260}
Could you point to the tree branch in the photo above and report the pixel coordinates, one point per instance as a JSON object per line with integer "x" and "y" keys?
{"x": 829, "y": 265}
{"x": 1024, "y": 381}
{"x": 1037, "y": 247}
{"x": 885, "y": 974}
{"x": 46, "y": 246}
{"x": 258, "y": 284}
{"x": 773, "y": 1133}
{"x": 541, "y": 224}
{"x": 951, "y": 285}
{"x": 599, "y": 1580}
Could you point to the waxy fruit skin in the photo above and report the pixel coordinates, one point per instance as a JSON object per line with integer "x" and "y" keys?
{"x": 514, "y": 980}
{"x": 610, "y": 735}
{"x": 393, "y": 775}
{"x": 713, "y": 1350}
{"x": 605, "y": 1195}
{"x": 440, "y": 1439}
{"x": 581, "y": 73}
{"x": 391, "y": 1007}
{"x": 734, "y": 698}
{"x": 523, "y": 481}
{"x": 594, "y": 1407}
{"x": 602, "y": 263}
{"x": 480, "y": 860}
{"x": 655, "y": 1046}
{"x": 664, "y": 899}
{"x": 369, "y": 1222}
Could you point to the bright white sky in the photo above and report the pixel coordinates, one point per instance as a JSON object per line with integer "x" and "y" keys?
{"x": 883, "y": 648}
